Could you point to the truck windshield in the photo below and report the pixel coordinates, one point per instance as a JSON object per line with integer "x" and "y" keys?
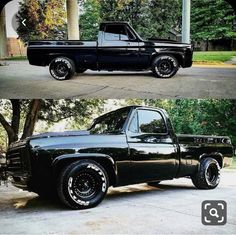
{"x": 111, "y": 123}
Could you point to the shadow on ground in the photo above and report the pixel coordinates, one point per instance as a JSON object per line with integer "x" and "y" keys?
{"x": 34, "y": 203}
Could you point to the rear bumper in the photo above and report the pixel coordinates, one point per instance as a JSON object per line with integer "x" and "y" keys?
{"x": 188, "y": 59}
{"x": 35, "y": 57}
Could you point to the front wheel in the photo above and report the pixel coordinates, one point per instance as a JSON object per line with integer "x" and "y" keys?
{"x": 165, "y": 66}
{"x": 62, "y": 68}
{"x": 82, "y": 184}
{"x": 208, "y": 175}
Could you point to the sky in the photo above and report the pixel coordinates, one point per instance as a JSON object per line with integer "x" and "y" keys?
{"x": 11, "y": 9}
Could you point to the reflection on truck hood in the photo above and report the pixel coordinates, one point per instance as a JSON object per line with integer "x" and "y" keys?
{"x": 49, "y": 135}
{"x": 58, "y": 134}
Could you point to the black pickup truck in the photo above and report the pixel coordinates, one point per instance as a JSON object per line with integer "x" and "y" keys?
{"x": 118, "y": 47}
{"x": 130, "y": 145}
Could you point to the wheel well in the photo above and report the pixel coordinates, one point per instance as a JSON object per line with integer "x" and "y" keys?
{"x": 176, "y": 56}
{"x": 49, "y": 58}
{"x": 218, "y": 158}
{"x": 105, "y": 163}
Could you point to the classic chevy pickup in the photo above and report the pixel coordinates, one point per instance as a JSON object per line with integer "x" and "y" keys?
{"x": 118, "y": 47}
{"x": 130, "y": 145}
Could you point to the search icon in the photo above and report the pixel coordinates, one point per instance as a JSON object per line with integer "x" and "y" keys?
{"x": 213, "y": 212}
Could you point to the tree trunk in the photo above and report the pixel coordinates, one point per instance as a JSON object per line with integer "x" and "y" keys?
{"x": 12, "y": 137}
{"x": 31, "y": 118}
{"x": 72, "y": 19}
{"x": 207, "y": 45}
{"x": 3, "y": 36}
{"x": 15, "y": 122}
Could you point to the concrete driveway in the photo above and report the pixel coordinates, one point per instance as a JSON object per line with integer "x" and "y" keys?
{"x": 20, "y": 80}
{"x": 173, "y": 207}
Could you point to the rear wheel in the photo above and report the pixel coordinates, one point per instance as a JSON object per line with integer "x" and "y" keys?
{"x": 82, "y": 184}
{"x": 62, "y": 68}
{"x": 208, "y": 175}
{"x": 165, "y": 66}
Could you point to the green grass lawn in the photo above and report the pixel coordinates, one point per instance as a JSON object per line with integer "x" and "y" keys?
{"x": 17, "y": 58}
{"x": 213, "y": 56}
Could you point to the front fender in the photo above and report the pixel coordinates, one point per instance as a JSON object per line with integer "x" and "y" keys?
{"x": 105, "y": 160}
{"x": 178, "y": 55}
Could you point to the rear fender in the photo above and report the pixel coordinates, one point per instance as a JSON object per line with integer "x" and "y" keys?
{"x": 215, "y": 155}
{"x": 51, "y": 56}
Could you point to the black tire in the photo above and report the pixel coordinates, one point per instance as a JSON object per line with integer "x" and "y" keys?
{"x": 165, "y": 66}
{"x": 80, "y": 70}
{"x": 208, "y": 175}
{"x": 62, "y": 68}
{"x": 82, "y": 184}
{"x": 154, "y": 183}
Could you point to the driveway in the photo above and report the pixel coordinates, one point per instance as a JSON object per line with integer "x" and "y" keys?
{"x": 20, "y": 80}
{"x": 173, "y": 207}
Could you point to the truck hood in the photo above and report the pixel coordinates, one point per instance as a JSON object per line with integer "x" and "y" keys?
{"x": 49, "y": 135}
{"x": 59, "y": 134}
{"x": 73, "y": 140}
{"x": 169, "y": 43}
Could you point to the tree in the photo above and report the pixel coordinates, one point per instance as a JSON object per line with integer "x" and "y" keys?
{"x": 20, "y": 116}
{"x": 150, "y": 18}
{"x": 90, "y": 19}
{"x": 12, "y": 128}
{"x": 44, "y": 19}
{"x": 212, "y": 20}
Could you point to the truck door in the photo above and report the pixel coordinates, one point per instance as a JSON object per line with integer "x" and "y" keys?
{"x": 153, "y": 154}
{"x": 118, "y": 47}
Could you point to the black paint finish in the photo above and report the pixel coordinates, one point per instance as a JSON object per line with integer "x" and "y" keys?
{"x": 128, "y": 156}
{"x": 110, "y": 52}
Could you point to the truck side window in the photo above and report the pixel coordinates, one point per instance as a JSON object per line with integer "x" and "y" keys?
{"x": 151, "y": 122}
{"x": 115, "y": 33}
{"x": 133, "y": 127}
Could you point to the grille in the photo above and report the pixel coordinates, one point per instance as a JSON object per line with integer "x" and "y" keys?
{"x": 18, "y": 159}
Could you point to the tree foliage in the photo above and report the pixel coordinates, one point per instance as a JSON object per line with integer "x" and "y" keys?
{"x": 44, "y": 19}
{"x": 150, "y": 18}
{"x": 212, "y": 19}
{"x": 18, "y": 117}
{"x": 90, "y": 19}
